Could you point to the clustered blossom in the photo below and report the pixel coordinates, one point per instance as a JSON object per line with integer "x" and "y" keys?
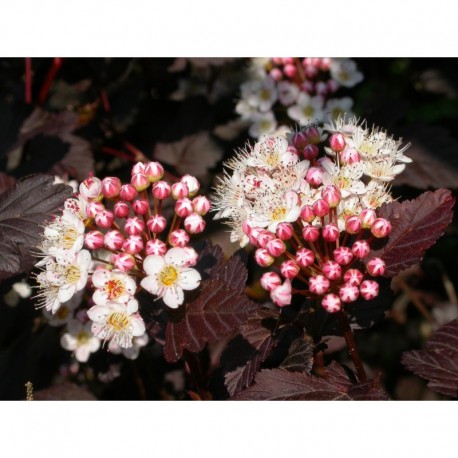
{"x": 304, "y": 88}
{"x": 114, "y": 238}
{"x": 307, "y": 202}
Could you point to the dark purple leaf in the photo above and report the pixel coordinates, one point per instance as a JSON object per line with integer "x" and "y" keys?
{"x": 438, "y": 361}
{"x": 300, "y": 355}
{"x": 6, "y": 182}
{"x": 417, "y": 224}
{"x": 64, "y": 392}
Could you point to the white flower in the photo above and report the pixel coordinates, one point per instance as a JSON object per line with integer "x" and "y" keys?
{"x": 65, "y": 312}
{"x": 118, "y": 323}
{"x": 77, "y": 205}
{"x": 306, "y": 109}
{"x": 383, "y": 170}
{"x": 376, "y": 195}
{"x": 339, "y": 108}
{"x": 167, "y": 276}
{"x": 133, "y": 351}
{"x": 271, "y": 152}
{"x": 261, "y": 94}
{"x": 345, "y": 72}
{"x": 287, "y": 92}
{"x": 245, "y": 110}
{"x": 80, "y": 340}
{"x": 263, "y": 124}
{"x": 346, "y": 178}
{"x": 112, "y": 285}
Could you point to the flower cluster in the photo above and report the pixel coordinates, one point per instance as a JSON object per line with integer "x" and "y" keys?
{"x": 114, "y": 238}
{"x": 307, "y": 202}
{"x": 304, "y": 88}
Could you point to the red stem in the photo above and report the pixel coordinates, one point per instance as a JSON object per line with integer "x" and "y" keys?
{"x": 55, "y": 66}
{"x": 28, "y": 80}
{"x": 115, "y": 152}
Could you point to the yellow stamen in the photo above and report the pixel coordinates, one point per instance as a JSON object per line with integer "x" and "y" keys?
{"x": 73, "y": 274}
{"x": 69, "y": 238}
{"x": 279, "y": 214}
{"x": 118, "y": 321}
{"x": 114, "y": 289}
{"x": 168, "y": 275}
{"x": 82, "y": 338}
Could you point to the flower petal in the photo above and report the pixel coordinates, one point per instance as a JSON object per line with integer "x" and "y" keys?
{"x": 150, "y": 284}
{"x": 173, "y": 297}
{"x": 100, "y": 277}
{"x": 153, "y": 264}
{"x": 189, "y": 279}
{"x": 176, "y": 256}
{"x": 138, "y": 325}
{"x": 98, "y": 313}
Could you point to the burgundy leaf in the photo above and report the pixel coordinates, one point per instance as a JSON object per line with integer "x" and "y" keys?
{"x": 64, "y": 392}
{"x": 417, "y": 224}
{"x": 221, "y": 307}
{"x": 438, "y": 361}
{"x": 23, "y": 210}
{"x": 6, "y": 182}
{"x": 300, "y": 355}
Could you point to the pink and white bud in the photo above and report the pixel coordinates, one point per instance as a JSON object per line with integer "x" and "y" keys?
{"x": 111, "y": 187}
{"x": 314, "y": 176}
{"x": 94, "y": 207}
{"x": 104, "y": 219}
{"x": 124, "y": 262}
{"x": 276, "y": 74}
{"x": 139, "y": 167}
{"x": 307, "y": 214}
{"x": 134, "y": 226}
{"x": 308, "y": 87}
{"x": 318, "y": 284}
{"x": 330, "y": 232}
{"x": 337, "y": 142}
{"x": 191, "y": 256}
{"x": 284, "y": 231}
{"x": 113, "y": 240}
{"x": 194, "y": 223}
{"x": 325, "y": 64}
{"x": 140, "y": 206}
{"x": 360, "y": 249}
{"x": 289, "y": 269}
{"x": 93, "y": 240}
{"x": 201, "y": 205}
{"x": 183, "y": 207}
{"x": 310, "y": 233}
{"x": 381, "y": 228}
{"x": 331, "y": 270}
{"x": 304, "y": 257}
{"x": 290, "y": 71}
{"x": 376, "y": 267}
{"x": 140, "y": 181}
{"x": 247, "y": 227}
{"x": 180, "y": 190}
{"x": 91, "y": 188}
{"x": 348, "y": 292}
{"x": 276, "y": 247}
{"x": 154, "y": 171}
{"x": 156, "y": 224}
{"x": 253, "y": 237}
{"x": 310, "y": 152}
{"x": 367, "y": 217}
{"x": 192, "y": 183}
{"x": 121, "y": 209}
{"x": 331, "y": 194}
{"x": 331, "y": 303}
{"x": 300, "y": 140}
{"x": 350, "y": 156}
{"x": 263, "y": 258}
{"x": 333, "y": 85}
{"x": 321, "y": 88}
{"x": 313, "y": 135}
{"x": 270, "y": 281}
{"x": 161, "y": 190}
{"x": 179, "y": 238}
{"x": 156, "y": 247}
{"x": 369, "y": 289}
{"x": 128, "y": 192}
{"x": 320, "y": 208}
{"x": 264, "y": 237}
{"x": 353, "y": 276}
{"x": 353, "y": 225}
{"x": 133, "y": 244}
{"x": 281, "y": 295}
{"x": 343, "y": 255}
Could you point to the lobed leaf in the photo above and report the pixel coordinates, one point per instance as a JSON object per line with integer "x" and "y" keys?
{"x": 300, "y": 355}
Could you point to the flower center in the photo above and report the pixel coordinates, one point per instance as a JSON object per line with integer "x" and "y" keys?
{"x": 119, "y": 321}
{"x": 368, "y": 148}
{"x": 62, "y": 313}
{"x": 70, "y": 237}
{"x": 82, "y": 338}
{"x": 308, "y": 111}
{"x": 73, "y": 274}
{"x": 272, "y": 159}
{"x": 264, "y": 94}
{"x": 279, "y": 214}
{"x": 168, "y": 275}
{"x": 114, "y": 289}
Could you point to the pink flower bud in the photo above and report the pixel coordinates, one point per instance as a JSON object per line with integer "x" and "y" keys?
{"x": 381, "y": 228}
{"x": 331, "y": 303}
{"x": 139, "y": 167}
{"x": 300, "y": 140}
{"x": 367, "y": 217}
{"x": 307, "y": 86}
{"x": 133, "y": 244}
{"x": 313, "y": 135}
{"x": 179, "y": 238}
{"x": 331, "y": 194}
{"x": 353, "y": 225}
{"x": 156, "y": 224}
{"x": 360, "y": 249}
{"x": 321, "y": 88}
{"x": 307, "y": 214}
{"x": 134, "y": 226}
{"x": 111, "y": 187}
{"x": 376, "y": 267}
{"x": 289, "y": 269}
{"x": 343, "y": 255}
{"x": 281, "y": 295}
{"x": 331, "y": 270}
{"x": 183, "y": 207}
{"x": 92, "y": 208}
{"x": 201, "y": 205}
{"x": 124, "y": 262}
{"x": 93, "y": 240}
{"x": 194, "y": 223}
{"x": 310, "y": 233}
{"x": 330, "y": 232}
{"x": 304, "y": 257}
{"x": 104, "y": 219}
{"x": 263, "y": 258}
{"x": 247, "y": 226}
{"x": 353, "y": 276}
{"x": 337, "y": 142}
{"x": 311, "y": 72}
{"x": 276, "y": 247}
{"x": 276, "y": 74}
{"x": 293, "y": 149}
{"x": 310, "y": 152}
{"x": 314, "y": 176}
{"x": 139, "y": 181}
{"x": 264, "y": 237}
{"x": 91, "y": 188}
{"x": 320, "y": 208}
{"x": 156, "y": 247}
{"x": 140, "y": 206}
{"x": 333, "y": 85}
{"x": 318, "y": 284}
{"x": 287, "y": 60}
{"x": 270, "y": 281}
{"x": 180, "y": 190}
{"x": 350, "y": 156}
{"x": 348, "y": 292}
{"x": 191, "y": 256}
{"x": 161, "y": 190}
{"x": 369, "y": 289}
{"x": 290, "y": 70}
{"x": 113, "y": 240}
{"x": 284, "y": 231}
{"x": 128, "y": 192}
{"x": 154, "y": 171}
{"x": 192, "y": 183}
{"x": 121, "y": 209}
{"x": 253, "y": 237}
